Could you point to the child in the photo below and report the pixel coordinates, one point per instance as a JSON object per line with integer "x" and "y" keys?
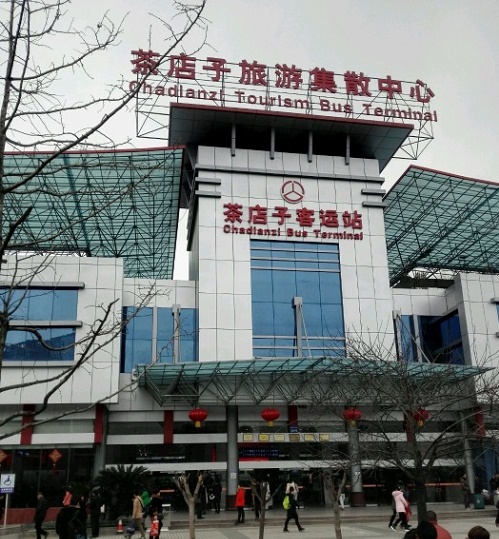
{"x": 154, "y": 531}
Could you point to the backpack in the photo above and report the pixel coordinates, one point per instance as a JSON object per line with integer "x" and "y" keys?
{"x": 76, "y": 529}
{"x": 286, "y": 503}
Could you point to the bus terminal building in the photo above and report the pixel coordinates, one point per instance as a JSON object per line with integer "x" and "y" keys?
{"x": 294, "y": 249}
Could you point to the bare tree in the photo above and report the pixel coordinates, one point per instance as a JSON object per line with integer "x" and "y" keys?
{"x": 260, "y": 492}
{"x": 414, "y": 415}
{"x": 46, "y": 128}
{"x": 189, "y": 486}
{"x": 335, "y": 478}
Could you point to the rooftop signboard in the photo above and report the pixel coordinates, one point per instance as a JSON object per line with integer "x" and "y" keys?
{"x": 278, "y": 87}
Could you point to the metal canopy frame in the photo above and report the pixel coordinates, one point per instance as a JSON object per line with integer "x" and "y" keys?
{"x": 120, "y": 203}
{"x": 440, "y": 221}
{"x": 276, "y": 380}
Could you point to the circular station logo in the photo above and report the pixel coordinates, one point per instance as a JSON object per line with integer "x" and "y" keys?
{"x": 292, "y": 191}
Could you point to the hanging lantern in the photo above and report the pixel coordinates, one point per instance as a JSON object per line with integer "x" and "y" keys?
{"x": 420, "y": 416}
{"x": 54, "y": 456}
{"x": 270, "y": 415}
{"x": 352, "y": 415}
{"x": 198, "y": 415}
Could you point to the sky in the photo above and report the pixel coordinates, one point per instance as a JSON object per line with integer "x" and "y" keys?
{"x": 452, "y": 45}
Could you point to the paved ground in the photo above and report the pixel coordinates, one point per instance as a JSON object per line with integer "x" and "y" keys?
{"x": 357, "y": 523}
{"x": 376, "y": 530}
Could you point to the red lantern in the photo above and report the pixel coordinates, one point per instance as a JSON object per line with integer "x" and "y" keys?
{"x": 54, "y": 456}
{"x": 270, "y": 415}
{"x": 420, "y": 416}
{"x": 198, "y": 415}
{"x": 352, "y": 415}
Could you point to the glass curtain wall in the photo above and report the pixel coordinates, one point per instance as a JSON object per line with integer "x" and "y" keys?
{"x": 296, "y": 299}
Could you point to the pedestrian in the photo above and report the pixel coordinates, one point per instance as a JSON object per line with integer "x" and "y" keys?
{"x": 426, "y": 530}
{"x": 94, "y": 506}
{"x": 217, "y": 493}
{"x": 155, "y": 528}
{"x": 394, "y": 515}
{"x": 82, "y": 511}
{"x": 40, "y": 514}
{"x": 145, "y": 497}
{"x": 442, "y": 533}
{"x": 146, "y": 500}
{"x": 465, "y": 488}
{"x": 497, "y": 514}
{"x": 477, "y": 532}
{"x": 201, "y": 501}
{"x": 256, "y": 492}
{"x": 138, "y": 514}
{"x": 341, "y": 495}
{"x": 268, "y": 496}
{"x": 156, "y": 509}
{"x": 292, "y": 485}
{"x": 67, "y": 523}
{"x": 291, "y": 505}
{"x": 240, "y": 503}
{"x": 401, "y": 506}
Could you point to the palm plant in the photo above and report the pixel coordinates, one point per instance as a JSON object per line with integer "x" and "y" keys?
{"x": 118, "y": 484}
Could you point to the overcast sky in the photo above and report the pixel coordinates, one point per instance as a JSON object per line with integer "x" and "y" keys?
{"x": 452, "y": 45}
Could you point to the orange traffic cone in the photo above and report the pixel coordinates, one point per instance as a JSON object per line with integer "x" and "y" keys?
{"x": 120, "y": 526}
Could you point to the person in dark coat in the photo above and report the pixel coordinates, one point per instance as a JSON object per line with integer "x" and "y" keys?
{"x": 94, "y": 505}
{"x": 217, "y": 493}
{"x": 291, "y": 513}
{"x": 40, "y": 514}
{"x": 66, "y": 514}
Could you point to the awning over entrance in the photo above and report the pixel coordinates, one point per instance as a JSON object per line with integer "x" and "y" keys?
{"x": 277, "y": 380}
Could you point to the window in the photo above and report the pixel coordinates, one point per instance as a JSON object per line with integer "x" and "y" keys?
{"x": 39, "y": 303}
{"x": 51, "y": 311}
{"x": 296, "y": 299}
{"x": 439, "y": 338}
{"x": 150, "y": 336}
{"x": 406, "y": 336}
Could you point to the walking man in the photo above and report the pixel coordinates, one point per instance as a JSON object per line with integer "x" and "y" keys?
{"x": 290, "y": 507}
{"x": 40, "y": 514}
{"x": 138, "y": 514}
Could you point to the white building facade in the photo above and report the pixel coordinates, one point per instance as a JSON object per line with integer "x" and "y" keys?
{"x": 288, "y": 261}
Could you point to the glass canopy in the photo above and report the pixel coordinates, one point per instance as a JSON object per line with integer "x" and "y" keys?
{"x": 107, "y": 203}
{"x": 289, "y": 380}
{"x": 438, "y": 221}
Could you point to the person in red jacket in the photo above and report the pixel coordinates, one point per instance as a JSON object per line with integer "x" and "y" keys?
{"x": 442, "y": 533}
{"x": 240, "y": 502}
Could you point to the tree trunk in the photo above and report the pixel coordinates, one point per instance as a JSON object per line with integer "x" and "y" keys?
{"x": 421, "y": 498}
{"x": 192, "y": 517}
{"x": 337, "y": 520}
{"x": 261, "y": 529}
